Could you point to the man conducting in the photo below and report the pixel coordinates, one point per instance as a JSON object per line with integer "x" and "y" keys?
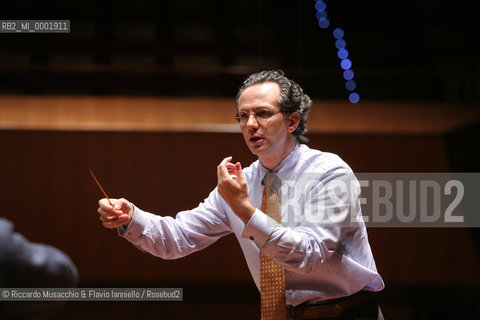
{"x": 295, "y": 212}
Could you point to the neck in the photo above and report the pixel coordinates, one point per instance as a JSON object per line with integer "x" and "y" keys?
{"x": 271, "y": 161}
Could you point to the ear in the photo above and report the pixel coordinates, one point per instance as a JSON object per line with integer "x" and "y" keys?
{"x": 293, "y": 122}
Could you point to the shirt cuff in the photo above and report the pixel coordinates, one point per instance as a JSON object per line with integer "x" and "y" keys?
{"x": 135, "y": 228}
{"x": 259, "y": 228}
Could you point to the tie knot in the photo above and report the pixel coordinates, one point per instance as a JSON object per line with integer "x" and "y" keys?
{"x": 271, "y": 180}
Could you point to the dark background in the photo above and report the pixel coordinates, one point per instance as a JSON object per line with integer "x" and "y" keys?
{"x": 412, "y": 51}
{"x": 422, "y": 50}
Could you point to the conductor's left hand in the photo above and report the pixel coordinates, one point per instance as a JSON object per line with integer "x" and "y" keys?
{"x": 233, "y": 188}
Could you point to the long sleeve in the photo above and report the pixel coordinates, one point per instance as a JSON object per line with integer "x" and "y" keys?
{"x": 315, "y": 224}
{"x": 189, "y": 231}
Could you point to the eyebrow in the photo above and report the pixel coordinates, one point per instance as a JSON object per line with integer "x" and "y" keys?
{"x": 269, "y": 107}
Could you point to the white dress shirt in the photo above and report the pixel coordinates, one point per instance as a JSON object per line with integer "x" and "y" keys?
{"x": 322, "y": 241}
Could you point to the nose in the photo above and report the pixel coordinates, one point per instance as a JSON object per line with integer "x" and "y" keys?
{"x": 252, "y": 121}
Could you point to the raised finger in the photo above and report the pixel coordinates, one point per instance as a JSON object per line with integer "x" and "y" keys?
{"x": 225, "y": 161}
{"x": 222, "y": 171}
{"x": 238, "y": 170}
{"x": 223, "y": 175}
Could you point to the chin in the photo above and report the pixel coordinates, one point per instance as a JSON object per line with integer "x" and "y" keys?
{"x": 254, "y": 151}
{"x": 259, "y": 151}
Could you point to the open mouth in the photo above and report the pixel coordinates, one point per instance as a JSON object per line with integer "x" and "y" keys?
{"x": 255, "y": 139}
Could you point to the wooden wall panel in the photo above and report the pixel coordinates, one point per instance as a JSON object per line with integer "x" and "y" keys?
{"x": 47, "y": 191}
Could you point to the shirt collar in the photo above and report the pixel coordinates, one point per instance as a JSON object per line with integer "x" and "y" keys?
{"x": 285, "y": 168}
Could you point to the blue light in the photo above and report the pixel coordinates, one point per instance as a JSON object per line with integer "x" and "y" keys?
{"x": 340, "y": 44}
{"x": 350, "y": 85}
{"x": 348, "y": 75}
{"x": 342, "y": 53}
{"x": 320, "y": 6}
{"x": 323, "y": 23}
{"x": 354, "y": 97}
{"x": 321, "y": 14}
{"x": 346, "y": 64}
{"x": 338, "y": 33}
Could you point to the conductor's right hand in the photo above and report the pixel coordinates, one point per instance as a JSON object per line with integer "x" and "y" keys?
{"x": 118, "y": 214}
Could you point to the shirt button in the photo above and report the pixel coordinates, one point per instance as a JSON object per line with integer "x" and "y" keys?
{"x": 252, "y": 238}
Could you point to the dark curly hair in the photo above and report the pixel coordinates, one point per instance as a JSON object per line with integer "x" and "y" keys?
{"x": 291, "y": 99}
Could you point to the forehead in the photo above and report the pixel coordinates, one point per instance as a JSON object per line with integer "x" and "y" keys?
{"x": 258, "y": 95}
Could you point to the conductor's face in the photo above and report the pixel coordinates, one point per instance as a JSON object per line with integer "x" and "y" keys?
{"x": 266, "y": 130}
